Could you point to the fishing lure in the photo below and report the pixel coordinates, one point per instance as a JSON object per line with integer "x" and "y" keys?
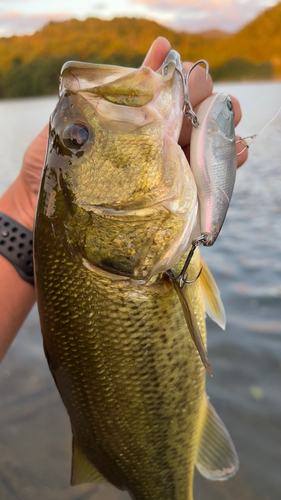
{"x": 213, "y": 164}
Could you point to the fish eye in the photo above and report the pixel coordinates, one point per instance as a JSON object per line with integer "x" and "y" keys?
{"x": 75, "y": 135}
{"x": 229, "y": 105}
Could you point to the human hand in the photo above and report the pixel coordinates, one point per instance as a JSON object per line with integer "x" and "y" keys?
{"x": 199, "y": 90}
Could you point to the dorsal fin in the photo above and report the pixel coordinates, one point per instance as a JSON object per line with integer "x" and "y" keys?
{"x": 211, "y": 296}
{"x": 82, "y": 470}
{"x": 216, "y": 457}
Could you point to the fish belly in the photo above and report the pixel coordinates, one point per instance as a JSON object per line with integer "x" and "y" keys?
{"x": 126, "y": 368}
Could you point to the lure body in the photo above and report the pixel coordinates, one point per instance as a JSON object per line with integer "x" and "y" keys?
{"x": 213, "y": 163}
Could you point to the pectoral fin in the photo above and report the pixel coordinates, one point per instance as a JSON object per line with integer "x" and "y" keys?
{"x": 192, "y": 325}
{"x": 211, "y": 296}
{"x": 216, "y": 458}
{"x": 82, "y": 470}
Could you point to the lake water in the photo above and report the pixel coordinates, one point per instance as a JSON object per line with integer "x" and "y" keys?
{"x": 35, "y": 438}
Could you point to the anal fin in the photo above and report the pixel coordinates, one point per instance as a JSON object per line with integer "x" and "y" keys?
{"x": 82, "y": 470}
{"x": 216, "y": 457}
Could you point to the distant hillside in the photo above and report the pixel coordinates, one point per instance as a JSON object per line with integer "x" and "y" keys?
{"x": 30, "y": 65}
{"x": 258, "y": 42}
{"x": 121, "y": 39}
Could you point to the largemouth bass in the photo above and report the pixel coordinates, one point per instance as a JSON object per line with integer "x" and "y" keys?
{"x": 117, "y": 209}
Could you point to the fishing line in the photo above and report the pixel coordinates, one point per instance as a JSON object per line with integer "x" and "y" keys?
{"x": 247, "y": 145}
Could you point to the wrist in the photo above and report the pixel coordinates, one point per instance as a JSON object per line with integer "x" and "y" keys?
{"x": 16, "y": 202}
{"x": 16, "y": 245}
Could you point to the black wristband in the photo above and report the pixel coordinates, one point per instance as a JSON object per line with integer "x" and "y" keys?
{"x": 16, "y": 245}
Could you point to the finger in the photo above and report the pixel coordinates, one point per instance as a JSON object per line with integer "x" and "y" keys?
{"x": 44, "y": 133}
{"x": 187, "y": 126}
{"x": 34, "y": 156}
{"x": 237, "y": 110}
{"x": 186, "y": 150}
{"x": 200, "y": 85}
{"x": 157, "y": 53}
{"x": 37, "y": 149}
{"x": 199, "y": 89}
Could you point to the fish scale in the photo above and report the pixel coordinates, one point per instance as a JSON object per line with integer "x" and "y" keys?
{"x": 131, "y": 370}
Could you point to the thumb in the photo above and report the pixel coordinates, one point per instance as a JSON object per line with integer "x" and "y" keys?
{"x": 157, "y": 53}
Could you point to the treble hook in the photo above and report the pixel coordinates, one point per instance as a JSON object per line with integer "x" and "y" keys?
{"x": 245, "y": 144}
{"x": 187, "y": 107}
{"x": 181, "y": 278}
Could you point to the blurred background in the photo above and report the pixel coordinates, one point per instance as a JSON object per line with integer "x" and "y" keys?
{"x": 242, "y": 42}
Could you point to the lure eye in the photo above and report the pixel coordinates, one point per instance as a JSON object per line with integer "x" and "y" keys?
{"x": 230, "y": 105}
{"x": 75, "y": 135}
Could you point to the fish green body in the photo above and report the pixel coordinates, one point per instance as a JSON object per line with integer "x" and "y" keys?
{"x": 117, "y": 202}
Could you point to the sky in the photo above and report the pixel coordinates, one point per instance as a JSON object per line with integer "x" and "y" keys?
{"x": 18, "y": 17}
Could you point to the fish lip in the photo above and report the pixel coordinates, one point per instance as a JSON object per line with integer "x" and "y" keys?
{"x": 125, "y": 210}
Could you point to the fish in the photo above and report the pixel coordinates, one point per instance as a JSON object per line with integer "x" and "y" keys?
{"x": 117, "y": 209}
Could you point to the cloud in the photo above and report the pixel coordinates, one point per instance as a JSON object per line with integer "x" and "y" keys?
{"x": 208, "y": 5}
{"x": 190, "y": 4}
{"x": 201, "y": 15}
{"x": 14, "y": 23}
{"x": 182, "y": 15}
{"x": 99, "y": 6}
